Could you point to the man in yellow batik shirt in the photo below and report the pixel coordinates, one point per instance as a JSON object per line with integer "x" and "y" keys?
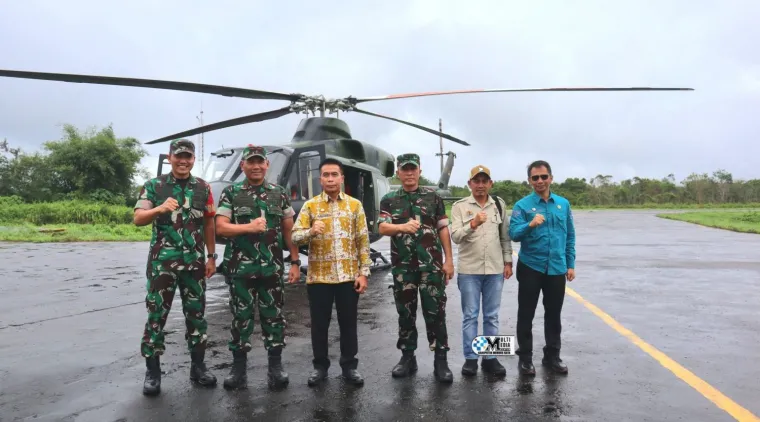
{"x": 334, "y": 226}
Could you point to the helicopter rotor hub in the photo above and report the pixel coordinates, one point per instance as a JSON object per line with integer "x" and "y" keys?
{"x": 318, "y": 103}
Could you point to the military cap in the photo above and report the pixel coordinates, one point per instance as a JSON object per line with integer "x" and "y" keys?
{"x": 405, "y": 159}
{"x": 254, "y": 151}
{"x": 181, "y": 145}
{"x": 480, "y": 169}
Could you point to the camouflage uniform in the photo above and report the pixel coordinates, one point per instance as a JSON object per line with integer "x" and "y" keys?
{"x": 176, "y": 258}
{"x": 417, "y": 262}
{"x": 253, "y": 263}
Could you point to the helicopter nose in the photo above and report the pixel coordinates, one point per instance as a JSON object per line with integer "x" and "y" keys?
{"x": 217, "y": 186}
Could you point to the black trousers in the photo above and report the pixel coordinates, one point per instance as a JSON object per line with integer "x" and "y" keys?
{"x": 321, "y": 297}
{"x": 530, "y": 284}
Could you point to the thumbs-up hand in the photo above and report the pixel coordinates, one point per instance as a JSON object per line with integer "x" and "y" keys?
{"x": 317, "y": 228}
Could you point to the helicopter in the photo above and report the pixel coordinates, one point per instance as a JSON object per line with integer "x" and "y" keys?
{"x": 295, "y": 166}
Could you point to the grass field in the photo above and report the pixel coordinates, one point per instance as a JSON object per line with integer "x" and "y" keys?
{"x": 87, "y": 222}
{"x": 739, "y": 221}
{"x": 74, "y": 233}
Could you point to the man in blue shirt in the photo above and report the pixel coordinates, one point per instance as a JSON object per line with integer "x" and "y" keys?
{"x": 543, "y": 225}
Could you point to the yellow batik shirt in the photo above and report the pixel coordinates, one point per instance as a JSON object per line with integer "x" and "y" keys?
{"x": 341, "y": 252}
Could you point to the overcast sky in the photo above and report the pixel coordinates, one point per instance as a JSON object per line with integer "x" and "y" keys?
{"x": 341, "y": 48}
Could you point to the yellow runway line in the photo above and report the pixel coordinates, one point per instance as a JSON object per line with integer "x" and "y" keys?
{"x": 710, "y": 392}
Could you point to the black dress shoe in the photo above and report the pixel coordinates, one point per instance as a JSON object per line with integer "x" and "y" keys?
{"x": 555, "y": 364}
{"x": 353, "y": 376}
{"x": 470, "y": 367}
{"x": 317, "y": 376}
{"x": 493, "y": 366}
{"x": 526, "y": 367}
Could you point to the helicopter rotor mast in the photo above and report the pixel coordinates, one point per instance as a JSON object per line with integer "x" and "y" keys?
{"x": 299, "y": 103}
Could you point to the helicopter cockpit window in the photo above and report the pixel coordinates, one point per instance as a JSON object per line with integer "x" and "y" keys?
{"x": 303, "y": 182}
{"x": 277, "y": 161}
{"x": 218, "y": 163}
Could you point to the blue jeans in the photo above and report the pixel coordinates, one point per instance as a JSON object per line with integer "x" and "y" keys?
{"x": 473, "y": 287}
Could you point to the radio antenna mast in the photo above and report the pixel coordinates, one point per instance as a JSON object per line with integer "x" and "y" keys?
{"x": 440, "y": 141}
{"x": 200, "y": 137}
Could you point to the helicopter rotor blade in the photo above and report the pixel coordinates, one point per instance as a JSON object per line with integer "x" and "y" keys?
{"x": 478, "y": 91}
{"x": 434, "y": 132}
{"x": 226, "y": 91}
{"x": 259, "y": 117}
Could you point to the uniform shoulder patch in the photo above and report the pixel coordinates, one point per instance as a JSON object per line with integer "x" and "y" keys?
{"x": 515, "y": 213}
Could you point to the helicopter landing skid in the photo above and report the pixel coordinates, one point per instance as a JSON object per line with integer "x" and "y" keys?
{"x": 375, "y": 256}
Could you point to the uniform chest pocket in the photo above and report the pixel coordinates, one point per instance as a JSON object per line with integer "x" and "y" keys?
{"x": 273, "y": 207}
{"x": 245, "y": 214}
{"x": 165, "y": 219}
{"x": 561, "y": 221}
{"x": 427, "y": 212}
{"x": 496, "y": 218}
{"x": 198, "y": 200}
{"x": 399, "y": 212}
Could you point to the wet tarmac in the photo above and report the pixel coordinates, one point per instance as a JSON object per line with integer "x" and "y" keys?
{"x": 70, "y": 334}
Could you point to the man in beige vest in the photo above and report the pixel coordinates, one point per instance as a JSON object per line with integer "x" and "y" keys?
{"x": 481, "y": 231}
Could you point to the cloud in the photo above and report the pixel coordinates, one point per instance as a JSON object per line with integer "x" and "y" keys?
{"x": 342, "y": 48}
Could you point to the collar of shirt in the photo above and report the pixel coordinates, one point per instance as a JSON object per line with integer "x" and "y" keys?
{"x": 403, "y": 192}
{"x": 249, "y": 186}
{"x": 171, "y": 179}
{"x": 538, "y": 199}
{"x": 472, "y": 200}
{"x": 326, "y": 198}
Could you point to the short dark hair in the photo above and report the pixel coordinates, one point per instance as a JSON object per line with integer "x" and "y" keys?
{"x": 537, "y": 164}
{"x": 327, "y": 161}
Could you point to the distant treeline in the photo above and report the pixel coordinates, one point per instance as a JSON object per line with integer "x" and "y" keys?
{"x": 94, "y": 166}
{"x": 718, "y": 188}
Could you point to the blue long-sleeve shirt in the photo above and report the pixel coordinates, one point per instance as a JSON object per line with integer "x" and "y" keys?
{"x": 549, "y": 247}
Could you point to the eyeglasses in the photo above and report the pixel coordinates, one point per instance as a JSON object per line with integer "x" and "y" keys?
{"x": 536, "y": 176}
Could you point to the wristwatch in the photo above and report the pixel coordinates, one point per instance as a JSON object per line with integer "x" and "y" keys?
{"x": 212, "y": 255}
{"x": 295, "y": 262}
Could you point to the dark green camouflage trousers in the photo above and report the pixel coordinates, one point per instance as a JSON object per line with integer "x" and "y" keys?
{"x": 268, "y": 293}
{"x": 162, "y": 284}
{"x": 432, "y": 290}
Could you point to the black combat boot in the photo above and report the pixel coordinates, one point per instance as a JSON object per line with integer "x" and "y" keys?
{"x": 198, "y": 371}
{"x": 318, "y": 375}
{"x": 405, "y": 366}
{"x": 152, "y": 384}
{"x": 278, "y": 378}
{"x": 238, "y": 377}
{"x": 441, "y": 368}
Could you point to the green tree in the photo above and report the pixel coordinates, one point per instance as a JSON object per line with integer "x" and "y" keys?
{"x": 92, "y": 165}
{"x": 94, "y": 161}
